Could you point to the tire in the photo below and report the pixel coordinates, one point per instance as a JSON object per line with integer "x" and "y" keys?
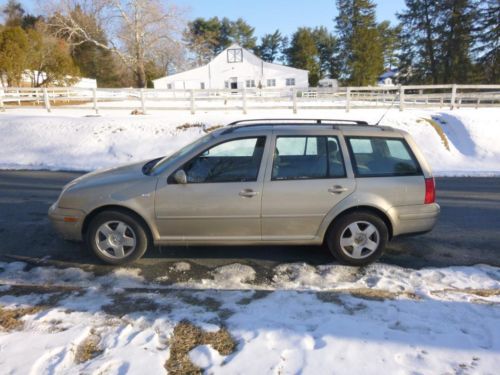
{"x": 117, "y": 238}
{"x": 358, "y": 238}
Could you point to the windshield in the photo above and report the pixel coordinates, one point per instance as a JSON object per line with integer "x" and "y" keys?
{"x": 183, "y": 151}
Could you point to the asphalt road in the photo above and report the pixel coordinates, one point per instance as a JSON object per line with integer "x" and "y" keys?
{"x": 468, "y": 232}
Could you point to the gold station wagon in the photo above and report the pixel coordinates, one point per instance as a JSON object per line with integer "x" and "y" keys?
{"x": 348, "y": 184}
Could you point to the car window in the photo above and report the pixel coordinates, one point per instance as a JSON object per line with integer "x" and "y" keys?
{"x": 232, "y": 161}
{"x": 376, "y": 156}
{"x": 307, "y": 158}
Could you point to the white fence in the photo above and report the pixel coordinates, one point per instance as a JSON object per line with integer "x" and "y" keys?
{"x": 144, "y": 100}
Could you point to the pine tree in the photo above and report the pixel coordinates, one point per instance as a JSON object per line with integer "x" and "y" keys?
{"x": 360, "y": 52}
{"x": 488, "y": 37}
{"x": 420, "y": 34}
{"x": 14, "y": 13}
{"x": 13, "y": 54}
{"x": 326, "y": 44}
{"x": 303, "y": 54}
{"x": 390, "y": 40}
{"x": 94, "y": 61}
{"x": 271, "y": 46}
{"x": 208, "y": 37}
{"x": 457, "y": 17}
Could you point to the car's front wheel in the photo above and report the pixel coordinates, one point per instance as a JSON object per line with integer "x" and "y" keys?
{"x": 358, "y": 238}
{"x": 117, "y": 238}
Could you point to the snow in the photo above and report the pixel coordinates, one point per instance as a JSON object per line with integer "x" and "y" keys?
{"x": 69, "y": 140}
{"x": 304, "y": 319}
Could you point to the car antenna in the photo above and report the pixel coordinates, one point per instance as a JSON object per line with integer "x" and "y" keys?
{"x": 387, "y": 110}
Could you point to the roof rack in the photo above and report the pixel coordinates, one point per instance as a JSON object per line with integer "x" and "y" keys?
{"x": 291, "y": 121}
{"x": 296, "y": 120}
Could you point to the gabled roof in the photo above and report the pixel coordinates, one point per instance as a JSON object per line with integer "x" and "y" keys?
{"x": 246, "y": 51}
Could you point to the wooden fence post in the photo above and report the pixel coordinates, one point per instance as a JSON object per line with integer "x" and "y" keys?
{"x": 453, "y": 96}
{"x": 2, "y": 106}
{"x": 294, "y": 100}
{"x": 46, "y": 99}
{"x": 192, "y": 102}
{"x": 94, "y": 99}
{"x": 244, "y": 98}
{"x": 143, "y": 102}
{"x": 401, "y": 98}
{"x": 348, "y": 99}
{"x": 18, "y": 97}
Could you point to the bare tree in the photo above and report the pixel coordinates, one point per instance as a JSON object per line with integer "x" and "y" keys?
{"x": 138, "y": 31}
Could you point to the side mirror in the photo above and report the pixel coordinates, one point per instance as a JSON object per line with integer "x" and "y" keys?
{"x": 180, "y": 177}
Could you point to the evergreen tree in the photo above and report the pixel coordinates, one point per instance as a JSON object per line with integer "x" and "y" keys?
{"x": 13, "y": 55}
{"x": 208, "y": 37}
{"x": 271, "y": 46}
{"x": 457, "y": 18}
{"x": 420, "y": 38}
{"x": 303, "y": 54}
{"x": 326, "y": 44}
{"x": 92, "y": 60}
{"x": 488, "y": 37}
{"x": 242, "y": 33}
{"x": 13, "y": 12}
{"x": 390, "y": 40}
{"x": 360, "y": 52}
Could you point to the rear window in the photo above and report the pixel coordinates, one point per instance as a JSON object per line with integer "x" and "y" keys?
{"x": 379, "y": 157}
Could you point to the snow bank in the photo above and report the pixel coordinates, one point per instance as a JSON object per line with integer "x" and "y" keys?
{"x": 310, "y": 320}
{"x": 68, "y": 140}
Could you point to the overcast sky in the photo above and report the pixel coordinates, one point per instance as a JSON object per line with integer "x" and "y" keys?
{"x": 269, "y": 15}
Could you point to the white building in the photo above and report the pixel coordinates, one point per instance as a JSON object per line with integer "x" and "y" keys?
{"x": 236, "y": 68}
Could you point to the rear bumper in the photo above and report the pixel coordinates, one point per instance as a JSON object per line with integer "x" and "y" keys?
{"x": 67, "y": 222}
{"x": 413, "y": 219}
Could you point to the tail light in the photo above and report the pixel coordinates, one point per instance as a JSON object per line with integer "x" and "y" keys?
{"x": 430, "y": 191}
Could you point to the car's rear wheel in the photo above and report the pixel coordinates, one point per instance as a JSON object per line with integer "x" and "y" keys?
{"x": 117, "y": 238}
{"x": 358, "y": 238}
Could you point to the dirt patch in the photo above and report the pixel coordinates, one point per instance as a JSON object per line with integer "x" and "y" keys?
{"x": 476, "y": 292}
{"x": 186, "y": 337}
{"x": 187, "y": 125}
{"x": 11, "y": 319}
{"x": 439, "y": 131}
{"x": 88, "y": 348}
{"x": 332, "y": 296}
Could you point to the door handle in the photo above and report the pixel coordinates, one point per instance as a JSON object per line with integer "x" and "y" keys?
{"x": 248, "y": 193}
{"x": 337, "y": 189}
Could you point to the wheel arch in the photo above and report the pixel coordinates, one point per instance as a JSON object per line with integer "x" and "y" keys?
{"x": 121, "y": 209}
{"x": 370, "y": 209}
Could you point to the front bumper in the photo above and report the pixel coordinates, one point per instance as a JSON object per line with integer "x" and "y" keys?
{"x": 414, "y": 219}
{"x": 67, "y": 222}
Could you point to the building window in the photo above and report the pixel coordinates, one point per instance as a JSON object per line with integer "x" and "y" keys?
{"x": 234, "y": 55}
{"x": 250, "y": 83}
{"x": 169, "y": 86}
{"x": 290, "y": 81}
{"x": 271, "y": 83}
{"x": 202, "y": 85}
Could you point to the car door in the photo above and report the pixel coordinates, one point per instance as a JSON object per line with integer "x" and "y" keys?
{"x": 305, "y": 179}
{"x": 221, "y": 200}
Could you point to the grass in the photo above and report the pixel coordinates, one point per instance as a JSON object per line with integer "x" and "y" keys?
{"x": 439, "y": 131}
{"x": 186, "y": 337}
{"x": 88, "y": 349}
{"x": 11, "y": 319}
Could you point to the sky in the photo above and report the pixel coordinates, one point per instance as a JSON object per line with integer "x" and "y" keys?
{"x": 286, "y": 15}
{"x": 268, "y": 15}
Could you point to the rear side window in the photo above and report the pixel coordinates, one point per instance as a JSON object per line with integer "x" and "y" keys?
{"x": 300, "y": 158}
{"x": 378, "y": 157}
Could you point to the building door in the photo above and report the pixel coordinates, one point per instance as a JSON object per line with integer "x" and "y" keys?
{"x": 233, "y": 81}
